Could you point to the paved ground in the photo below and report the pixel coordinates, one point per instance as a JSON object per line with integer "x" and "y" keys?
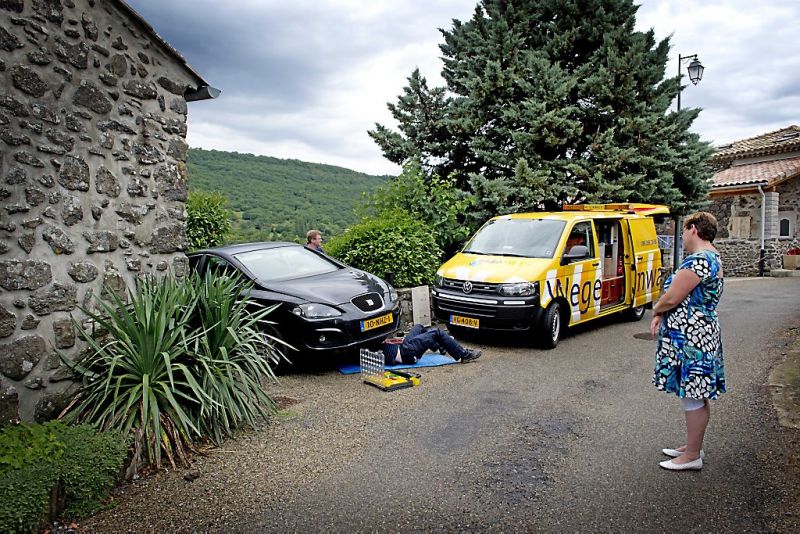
{"x": 521, "y": 440}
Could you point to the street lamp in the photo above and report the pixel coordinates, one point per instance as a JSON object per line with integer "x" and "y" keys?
{"x": 695, "y": 70}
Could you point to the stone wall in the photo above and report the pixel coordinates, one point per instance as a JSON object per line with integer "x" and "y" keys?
{"x": 740, "y": 256}
{"x": 92, "y": 179}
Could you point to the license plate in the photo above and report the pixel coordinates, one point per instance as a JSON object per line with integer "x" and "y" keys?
{"x": 469, "y": 322}
{"x": 369, "y": 324}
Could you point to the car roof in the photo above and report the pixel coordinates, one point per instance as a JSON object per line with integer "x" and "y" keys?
{"x": 244, "y": 247}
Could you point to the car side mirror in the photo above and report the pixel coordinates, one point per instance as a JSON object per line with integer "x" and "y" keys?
{"x": 578, "y": 252}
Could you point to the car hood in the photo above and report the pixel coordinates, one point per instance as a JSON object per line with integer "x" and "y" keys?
{"x": 333, "y": 288}
{"x": 494, "y": 269}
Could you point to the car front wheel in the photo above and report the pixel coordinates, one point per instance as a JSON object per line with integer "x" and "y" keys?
{"x": 550, "y": 331}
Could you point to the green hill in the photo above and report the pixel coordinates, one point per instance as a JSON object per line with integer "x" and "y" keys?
{"x": 280, "y": 199}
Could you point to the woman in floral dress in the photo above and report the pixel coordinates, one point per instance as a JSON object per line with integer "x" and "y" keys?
{"x": 689, "y": 360}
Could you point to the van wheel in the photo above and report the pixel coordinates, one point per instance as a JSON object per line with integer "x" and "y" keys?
{"x": 634, "y": 314}
{"x": 550, "y": 332}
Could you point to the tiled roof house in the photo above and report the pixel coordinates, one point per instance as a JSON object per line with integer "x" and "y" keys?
{"x": 755, "y": 195}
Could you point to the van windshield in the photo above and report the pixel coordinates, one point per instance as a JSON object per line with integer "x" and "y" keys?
{"x": 527, "y": 238}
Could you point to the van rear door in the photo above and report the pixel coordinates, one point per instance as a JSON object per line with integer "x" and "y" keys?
{"x": 645, "y": 272}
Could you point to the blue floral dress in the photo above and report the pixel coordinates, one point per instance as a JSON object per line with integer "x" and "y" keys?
{"x": 689, "y": 359}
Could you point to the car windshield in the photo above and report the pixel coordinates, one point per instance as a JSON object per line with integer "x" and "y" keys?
{"x": 282, "y": 263}
{"x": 527, "y": 238}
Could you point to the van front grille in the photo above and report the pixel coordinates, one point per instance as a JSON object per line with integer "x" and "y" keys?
{"x": 483, "y": 288}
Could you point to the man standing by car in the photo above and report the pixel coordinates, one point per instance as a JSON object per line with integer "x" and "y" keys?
{"x": 314, "y": 240}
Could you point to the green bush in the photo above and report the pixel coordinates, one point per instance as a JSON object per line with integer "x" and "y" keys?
{"x": 393, "y": 245}
{"x": 208, "y": 220}
{"x": 181, "y": 362}
{"x": 35, "y": 460}
{"x": 436, "y": 201}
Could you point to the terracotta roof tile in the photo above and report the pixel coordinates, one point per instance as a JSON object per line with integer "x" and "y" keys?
{"x": 766, "y": 171}
{"x": 777, "y": 142}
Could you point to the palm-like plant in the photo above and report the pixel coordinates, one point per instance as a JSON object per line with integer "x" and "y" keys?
{"x": 183, "y": 360}
{"x": 135, "y": 375}
{"x": 233, "y": 356}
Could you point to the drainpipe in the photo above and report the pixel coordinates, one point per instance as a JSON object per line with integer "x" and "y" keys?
{"x": 676, "y": 245}
{"x": 763, "y": 223}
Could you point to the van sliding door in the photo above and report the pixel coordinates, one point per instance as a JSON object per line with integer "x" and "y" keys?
{"x": 644, "y": 277}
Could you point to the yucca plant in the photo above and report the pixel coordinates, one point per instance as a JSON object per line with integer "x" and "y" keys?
{"x": 135, "y": 375}
{"x": 233, "y": 356}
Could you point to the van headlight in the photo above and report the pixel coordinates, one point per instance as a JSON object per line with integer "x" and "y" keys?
{"x": 313, "y": 310}
{"x": 439, "y": 280}
{"x": 520, "y": 289}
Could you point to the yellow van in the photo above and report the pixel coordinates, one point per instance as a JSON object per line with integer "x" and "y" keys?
{"x": 542, "y": 271}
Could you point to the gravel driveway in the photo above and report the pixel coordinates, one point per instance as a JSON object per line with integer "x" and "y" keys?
{"x": 520, "y": 440}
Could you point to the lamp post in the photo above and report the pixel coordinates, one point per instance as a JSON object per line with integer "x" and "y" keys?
{"x": 695, "y": 70}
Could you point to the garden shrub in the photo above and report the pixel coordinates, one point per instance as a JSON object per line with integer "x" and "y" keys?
{"x": 181, "y": 362}
{"x": 394, "y": 245}
{"x": 136, "y": 376}
{"x": 434, "y": 200}
{"x": 208, "y": 219}
{"x": 36, "y": 460}
{"x": 233, "y": 357}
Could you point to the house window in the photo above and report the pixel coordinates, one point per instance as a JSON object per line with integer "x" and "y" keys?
{"x": 740, "y": 227}
{"x": 785, "y": 228}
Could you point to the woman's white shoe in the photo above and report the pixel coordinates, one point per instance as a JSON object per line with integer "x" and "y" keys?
{"x": 674, "y": 453}
{"x": 672, "y": 466}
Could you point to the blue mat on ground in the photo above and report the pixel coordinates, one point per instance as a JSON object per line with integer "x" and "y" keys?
{"x": 430, "y": 359}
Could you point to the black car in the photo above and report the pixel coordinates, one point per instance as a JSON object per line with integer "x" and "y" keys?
{"x": 324, "y": 305}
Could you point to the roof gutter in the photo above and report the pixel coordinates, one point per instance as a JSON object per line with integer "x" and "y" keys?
{"x": 739, "y": 187}
{"x": 203, "y": 92}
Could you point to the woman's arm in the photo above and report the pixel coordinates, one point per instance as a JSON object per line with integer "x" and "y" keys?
{"x": 682, "y": 284}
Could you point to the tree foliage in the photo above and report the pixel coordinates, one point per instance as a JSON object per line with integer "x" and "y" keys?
{"x": 394, "y": 245}
{"x": 437, "y": 202}
{"x": 208, "y": 219}
{"x": 552, "y": 101}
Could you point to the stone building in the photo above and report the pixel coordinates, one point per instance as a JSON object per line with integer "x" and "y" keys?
{"x": 755, "y": 195}
{"x": 93, "y": 178}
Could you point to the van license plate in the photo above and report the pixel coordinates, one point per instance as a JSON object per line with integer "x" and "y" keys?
{"x": 469, "y": 322}
{"x": 369, "y": 324}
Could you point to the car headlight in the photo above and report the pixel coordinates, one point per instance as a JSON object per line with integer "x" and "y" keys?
{"x": 439, "y": 280}
{"x": 313, "y": 310}
{"x": 392, "y": 293}
{"x": 520, "y": 289}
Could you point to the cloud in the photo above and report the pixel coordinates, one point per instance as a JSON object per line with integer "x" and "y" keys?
{"x": 306, "y": 79}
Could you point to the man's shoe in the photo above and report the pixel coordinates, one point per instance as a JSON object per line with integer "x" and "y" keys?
{"x": 472, "y": 354}
{"x": 695, "y": 465}
{"x": 674, "y": 453}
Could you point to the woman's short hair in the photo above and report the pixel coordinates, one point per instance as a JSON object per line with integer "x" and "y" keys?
{"x": 705, "y": 223}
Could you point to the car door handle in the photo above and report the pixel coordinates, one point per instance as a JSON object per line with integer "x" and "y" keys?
{"x": 596, "y": 264}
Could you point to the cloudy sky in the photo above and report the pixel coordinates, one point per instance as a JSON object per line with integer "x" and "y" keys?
{"x": 306, "y": 79}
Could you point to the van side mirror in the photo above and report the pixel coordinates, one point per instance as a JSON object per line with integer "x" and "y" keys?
{"x": 578, "y": 252}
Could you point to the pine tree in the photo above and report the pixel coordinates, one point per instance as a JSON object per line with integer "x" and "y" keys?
{"x": 552, "y": 101}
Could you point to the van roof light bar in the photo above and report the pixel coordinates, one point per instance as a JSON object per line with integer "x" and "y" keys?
{"x": 630, "y": 207}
